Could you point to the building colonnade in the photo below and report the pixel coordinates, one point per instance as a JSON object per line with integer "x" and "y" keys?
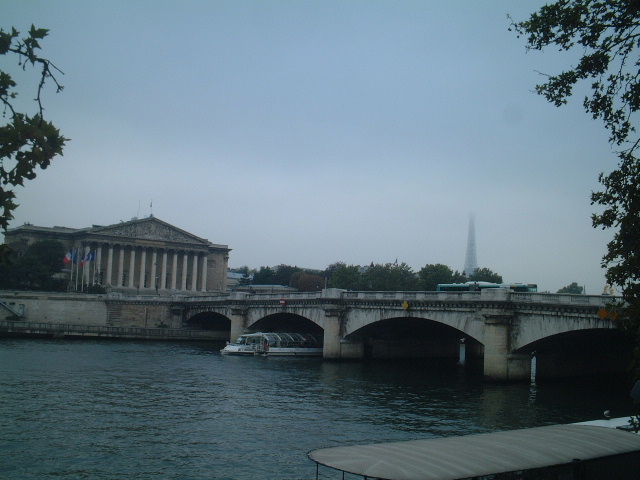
{"x": 144, "y": 267}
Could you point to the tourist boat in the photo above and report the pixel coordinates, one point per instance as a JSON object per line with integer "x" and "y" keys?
{"x": 587, "y": 450}
{"x": 274, "y": 344}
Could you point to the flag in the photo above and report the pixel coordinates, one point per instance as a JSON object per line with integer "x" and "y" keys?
{"x": 87, "y": 258}
{"x": 68, "y": 256}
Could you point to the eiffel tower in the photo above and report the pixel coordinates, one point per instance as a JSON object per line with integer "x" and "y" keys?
{"x": 470, "y": 261}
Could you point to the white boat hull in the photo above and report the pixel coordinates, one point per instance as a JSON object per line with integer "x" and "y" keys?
{"x": 275, "y": 344}
{"x": 272, "y": 352}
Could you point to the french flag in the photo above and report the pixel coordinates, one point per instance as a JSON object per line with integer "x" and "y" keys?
{"x": 90, "y": 256}
{"x": 67, "y": 257}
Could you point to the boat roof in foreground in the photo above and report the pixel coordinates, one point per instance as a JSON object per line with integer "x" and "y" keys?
{"x": 454, "y": 458}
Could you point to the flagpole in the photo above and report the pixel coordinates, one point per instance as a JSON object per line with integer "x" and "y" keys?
{"x": 93, "y": 278}
{"x": 73, "y": 263}
{"x": 84, "y": 262}
{"x": 78, "y": 271}
{"x": 75, "y": 258}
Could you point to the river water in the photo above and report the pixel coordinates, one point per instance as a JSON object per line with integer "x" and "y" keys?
{"x": 74, "y": 409}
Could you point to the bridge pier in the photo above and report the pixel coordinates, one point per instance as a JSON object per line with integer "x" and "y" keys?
{"x": 499, "y": 363}
{"x": 238, "y": 321}
{"x": 334, "y": 345}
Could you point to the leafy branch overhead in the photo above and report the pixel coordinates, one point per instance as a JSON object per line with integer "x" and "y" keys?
{"x": 605, "y": 33}
{"x": 606, "y": 36}
{"x": 26, "y": 141}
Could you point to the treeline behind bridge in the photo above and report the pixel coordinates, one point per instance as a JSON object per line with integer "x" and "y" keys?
{"x": 374, "y": 277}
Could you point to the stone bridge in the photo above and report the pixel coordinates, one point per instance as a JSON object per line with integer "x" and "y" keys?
{"x": 503, "y": 330}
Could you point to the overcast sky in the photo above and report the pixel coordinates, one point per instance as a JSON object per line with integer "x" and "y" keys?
{"x": 310, "y": 132}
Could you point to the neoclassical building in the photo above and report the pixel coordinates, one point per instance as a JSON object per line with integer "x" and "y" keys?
{"x": 142, "y": 254}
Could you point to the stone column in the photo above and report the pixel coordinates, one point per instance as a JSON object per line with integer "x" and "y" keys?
{"x": 185, "y": 259}
{"x": 225, "y": 269}
{"x": 194, "y": 272}
{"x": 143, "y": 268}
{"x": 174, "y": 271}
{"x": 109, "y": 279}
{"x": 98, "y": 266}
{"x": 154, "y": 259}
{"x": 132, "y": 266}
{"x": 204, "y": 273}
{"x": 120, "y": 282}
{"x": 82, "y": 266}
{"x": 163, "y": 279}
{"x": 499, "y": 363}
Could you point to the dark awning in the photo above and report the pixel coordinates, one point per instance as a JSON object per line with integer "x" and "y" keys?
{"x": 453, "y": 458}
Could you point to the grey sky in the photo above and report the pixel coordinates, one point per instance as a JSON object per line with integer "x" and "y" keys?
{"x": 310, "y": 132}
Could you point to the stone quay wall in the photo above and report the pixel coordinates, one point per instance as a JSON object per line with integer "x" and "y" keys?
{"x": 56, "y": 308}
{"x": 82, "y": 315}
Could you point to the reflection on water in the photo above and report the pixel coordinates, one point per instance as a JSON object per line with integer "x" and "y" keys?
{"x": 113, "y": 410}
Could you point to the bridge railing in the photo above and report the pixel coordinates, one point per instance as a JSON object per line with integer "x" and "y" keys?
{"x": 497, "y": 294}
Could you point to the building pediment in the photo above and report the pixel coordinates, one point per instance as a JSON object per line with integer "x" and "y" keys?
{"x": 150, "y": 229}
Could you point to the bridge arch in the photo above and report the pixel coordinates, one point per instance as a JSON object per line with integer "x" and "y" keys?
{"x": 593, "y": 351}
{"x": 414, "y": 337}
{"x": 469, "y": 324}
{"x": 209, "y": 321}
{"x": 285, "y": 322}
{"x": 540, "y": 326}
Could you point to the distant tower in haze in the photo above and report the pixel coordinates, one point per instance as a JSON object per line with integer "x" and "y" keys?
{"x": 470, "y": 261}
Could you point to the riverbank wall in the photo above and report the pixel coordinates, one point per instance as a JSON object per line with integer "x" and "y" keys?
{"x": 85, "y": 315}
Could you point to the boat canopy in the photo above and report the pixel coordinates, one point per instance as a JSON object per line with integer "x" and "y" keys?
{"x": 455, "y": 458}
{"x": 281, "y": 339}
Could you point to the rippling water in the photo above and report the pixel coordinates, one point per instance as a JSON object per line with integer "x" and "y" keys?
{"x": 126, "y": 410}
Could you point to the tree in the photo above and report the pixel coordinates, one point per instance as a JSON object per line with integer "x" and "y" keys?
{"x": 26, "y": 141}
{"x": 458, "y": 277}
{"x": 485, "y": 275}
{"x": 282, "y": 274}
{"x": 307, "y": 282}
{"x": 433, "y": 274}
{"x": 389, "y": 277}
{"x": 246, "y": 274}
{"x": 328, "y": 272}
{"x": 264, "y": 276}
{"x": 345, "y": 276}
{"x": 574, "y": 288}
{"x": 35, "y": 267}
{"x": 605, "y": 35}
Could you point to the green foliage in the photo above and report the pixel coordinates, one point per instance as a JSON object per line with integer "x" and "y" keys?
{"x": 485, "y": 275}
{"x": 282, "y": 274}
{"x": 573, "y": 288}
{"x": 26, "y": 141}
{"x": 345, "y": 276}
{"x": 375, "y": 277}
{"x": 246, "y": 275}
{"x": 34, "y": 268}
{"x": 264, "y": 276}
{"x": 434, "y": 274}
{"x": 307, "y": 282}
{"x": 388, "y": 277}
{"x": 98, "y": 289}
{"x": 605, "y": 35}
